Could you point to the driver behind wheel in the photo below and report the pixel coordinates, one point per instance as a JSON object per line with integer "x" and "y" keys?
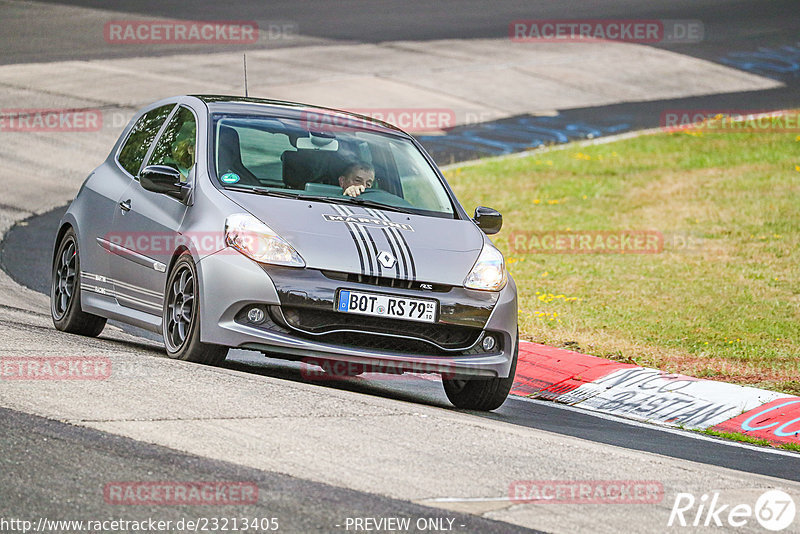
{"x": 183, "y": 156}
{"x": 356, "y": 178}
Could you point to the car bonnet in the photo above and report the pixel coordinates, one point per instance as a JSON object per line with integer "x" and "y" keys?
{"x": 374, "y": 242}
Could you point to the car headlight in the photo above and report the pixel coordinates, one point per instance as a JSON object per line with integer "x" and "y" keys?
{"x": 489, "y": 272}
{"x": 259, "y": 242}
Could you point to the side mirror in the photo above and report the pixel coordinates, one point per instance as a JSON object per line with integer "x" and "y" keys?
{"x": 488, "y": 220}
{"x": 164, "y": 179}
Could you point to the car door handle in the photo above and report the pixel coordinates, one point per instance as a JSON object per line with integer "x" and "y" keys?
{"x": 125, "y": 205}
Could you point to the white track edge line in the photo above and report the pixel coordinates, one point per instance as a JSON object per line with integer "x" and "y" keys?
{"x": 656, "y": 426}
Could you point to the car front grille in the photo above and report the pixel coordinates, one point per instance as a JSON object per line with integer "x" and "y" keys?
{"x": 379, "y": 333}
{"x": 384, "y": 281}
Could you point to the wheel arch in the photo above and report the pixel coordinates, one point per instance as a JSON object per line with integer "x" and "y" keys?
{"x": 62, "y": 231}
{"x": 177, "y": 253}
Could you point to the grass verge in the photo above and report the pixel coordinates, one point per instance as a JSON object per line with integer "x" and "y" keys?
{"x": 737, "y": 436}
{"x": 720, "y": 301}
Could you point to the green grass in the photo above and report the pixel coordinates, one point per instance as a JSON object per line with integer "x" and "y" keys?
{"x": 791, "y": 447}
{"x": 744, "y": 438}
{"x": 736, "y": 436}
{"x": 726, "y": 307}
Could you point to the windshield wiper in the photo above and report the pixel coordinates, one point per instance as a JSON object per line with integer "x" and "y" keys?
{"x": 373, "y": 204}
{"x": 264, "y": 191}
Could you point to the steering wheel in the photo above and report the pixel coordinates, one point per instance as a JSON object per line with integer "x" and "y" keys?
{"x": 379, "y": 195}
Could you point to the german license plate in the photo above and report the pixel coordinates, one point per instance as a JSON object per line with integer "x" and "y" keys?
{"x": 391, "y": 306}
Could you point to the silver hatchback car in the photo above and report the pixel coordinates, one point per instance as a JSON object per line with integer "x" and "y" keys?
{"x": 305, "y": 233}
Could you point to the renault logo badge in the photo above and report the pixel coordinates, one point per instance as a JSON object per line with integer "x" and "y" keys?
{"x": 386, "y": 259}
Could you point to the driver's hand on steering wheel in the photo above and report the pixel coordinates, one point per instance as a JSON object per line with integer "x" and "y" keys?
{"x": 354, "y": 190}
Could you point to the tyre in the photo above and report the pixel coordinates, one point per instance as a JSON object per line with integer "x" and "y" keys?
{"x": 181, "y": 320}
{"x": 65, "y": 291}
{"x": 482, "y": 394}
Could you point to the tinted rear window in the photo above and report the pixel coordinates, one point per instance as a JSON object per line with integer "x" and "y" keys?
{"x": 144, "y": 131}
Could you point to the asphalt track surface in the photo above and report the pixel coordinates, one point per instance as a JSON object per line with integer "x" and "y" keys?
{"x": 65, "y": 480}
{"x": 25, "y": 253}
{"x": 729, "y": 24}
{"x": 730, "y": 27}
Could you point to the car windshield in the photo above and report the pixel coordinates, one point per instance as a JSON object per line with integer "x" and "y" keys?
{"x": 332, "y": 162}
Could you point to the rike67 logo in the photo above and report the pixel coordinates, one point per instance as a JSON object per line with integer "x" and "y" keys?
{"x": 774, "y": 510}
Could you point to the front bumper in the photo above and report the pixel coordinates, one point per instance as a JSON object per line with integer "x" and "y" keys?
{"x": 293, "y": 298}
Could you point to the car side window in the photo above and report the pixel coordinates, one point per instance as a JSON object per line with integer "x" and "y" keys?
{"x": 142, "y": 134}
{"x": 175, "y": 147}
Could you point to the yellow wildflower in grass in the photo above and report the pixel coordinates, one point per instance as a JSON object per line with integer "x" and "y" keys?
{"x": 797, "y": 168}
{"x": 536, "y": 201}
{"x": 585, "y": 197}
{"x": 547, "y": 316}
{"x": 549, "y": 297}
{"x": 692, "y": 132}
{"x": 552, "y": 201}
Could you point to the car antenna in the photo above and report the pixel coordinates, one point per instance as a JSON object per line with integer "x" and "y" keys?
{"x": 244, "y": 59}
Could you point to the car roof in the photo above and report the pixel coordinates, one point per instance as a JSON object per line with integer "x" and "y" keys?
{"x": 294, "y": 110}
